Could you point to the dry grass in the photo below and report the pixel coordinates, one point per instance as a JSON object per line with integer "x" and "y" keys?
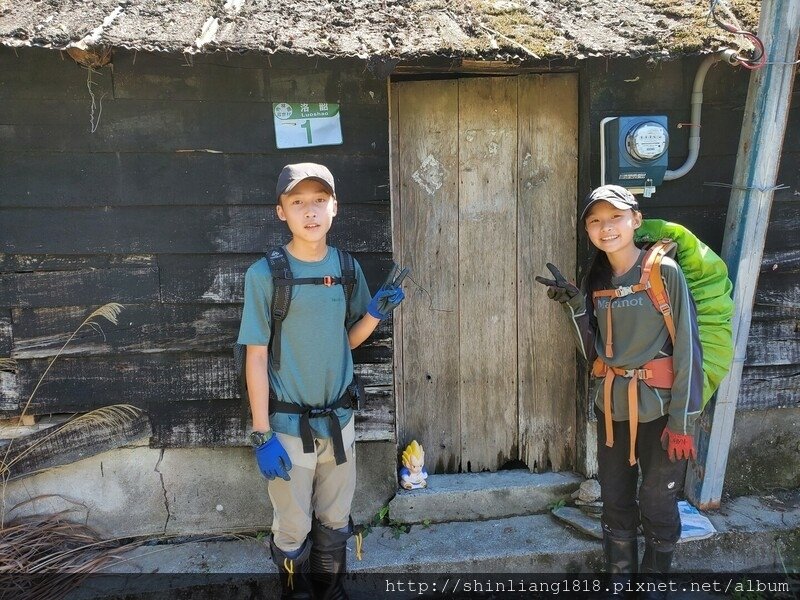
{"x": 106, "y": 417}
{"x": 46, "y": 556}
{"x": 110, "y": 312}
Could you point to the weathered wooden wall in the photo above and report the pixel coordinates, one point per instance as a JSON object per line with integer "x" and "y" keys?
{"x": 162, "y": 208}
{"x": 632, "y": 87}
{"x": 165, "y": 205}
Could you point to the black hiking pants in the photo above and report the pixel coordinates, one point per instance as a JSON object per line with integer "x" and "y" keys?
{"x": 662, "y": 481}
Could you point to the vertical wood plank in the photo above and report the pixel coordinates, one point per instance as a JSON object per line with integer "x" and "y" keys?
{"x": 397, "y": 239}
{"x": 487, "y": 257}
{"x": 585, "y": 423}
{"x": 548, "y": 151}
{"x": 428, "y": 191}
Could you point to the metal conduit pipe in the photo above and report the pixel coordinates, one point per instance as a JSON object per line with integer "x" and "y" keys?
{"x": 728, "y": 56}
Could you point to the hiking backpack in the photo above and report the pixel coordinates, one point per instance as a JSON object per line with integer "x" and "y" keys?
{"x": 283, "y": 281}
{"x": 707, "y": 278}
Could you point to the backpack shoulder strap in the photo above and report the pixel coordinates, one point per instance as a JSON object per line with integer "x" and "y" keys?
{"x": 657, "y": 292}
{"x": 281, "y": 299}
{"x": 348, "y": 276}
{"x": 650, "y": 282}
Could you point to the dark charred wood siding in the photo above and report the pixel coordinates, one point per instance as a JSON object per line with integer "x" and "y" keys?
{"x": 167, "y": 202}
{"x": 771, "y": 378}
{"x": 162, "y": 208}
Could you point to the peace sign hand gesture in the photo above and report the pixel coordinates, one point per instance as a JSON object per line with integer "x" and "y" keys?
{"x": 559, "y": 288}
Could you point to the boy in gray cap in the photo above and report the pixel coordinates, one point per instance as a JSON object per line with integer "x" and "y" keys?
{"x": 299, "y": 372}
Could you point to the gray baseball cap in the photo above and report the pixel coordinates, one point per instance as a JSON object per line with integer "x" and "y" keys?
{"x": 616, "y": 195}
{"x": 291, "y": 175}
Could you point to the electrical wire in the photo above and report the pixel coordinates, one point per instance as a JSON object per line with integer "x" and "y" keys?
{"x": 760, "y": 56}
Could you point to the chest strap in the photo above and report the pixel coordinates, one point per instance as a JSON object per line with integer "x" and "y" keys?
{"x": 307, "y": 413}
{"x": 283, "y": 281}
{"x": 650, "y": 282}
{"x": 612, "y": 295}
{"x": 327, "y": 280}
{"x": 655, "y": 373}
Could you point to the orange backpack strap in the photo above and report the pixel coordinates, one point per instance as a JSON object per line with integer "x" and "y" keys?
{"x": 613, "y": 294}
{"x": 651, "y": 272}
{"x": 655, "y": 373}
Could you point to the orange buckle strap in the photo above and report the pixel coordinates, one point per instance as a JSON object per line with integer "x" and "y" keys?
{"x": 658, "y": 371}
{"x": 613, "y": 294}
{"x": 633, "y": 414}
{"x": 657, "y": 292}
{"x": 608, "y": 387}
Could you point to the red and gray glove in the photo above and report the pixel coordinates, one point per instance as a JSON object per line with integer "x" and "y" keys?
{"x": 679, "y": 446}
{"x": 559, "y": 288}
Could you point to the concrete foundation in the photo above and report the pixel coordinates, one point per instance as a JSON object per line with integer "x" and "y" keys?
{"x": 137, "y": 490}
{"x": 764, "y": 453}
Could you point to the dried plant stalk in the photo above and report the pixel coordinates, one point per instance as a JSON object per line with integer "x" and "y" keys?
{"x": 116, "y": 415}
{"x": 110, "y": 312}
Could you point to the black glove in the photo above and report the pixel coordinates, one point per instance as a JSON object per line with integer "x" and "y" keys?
{"x": 559, "y": 288}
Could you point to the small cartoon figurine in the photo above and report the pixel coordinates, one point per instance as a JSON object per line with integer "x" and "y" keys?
{"x": 413, "y": 473}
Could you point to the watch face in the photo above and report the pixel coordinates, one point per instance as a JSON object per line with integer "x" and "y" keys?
{"x": 258, "y": 438}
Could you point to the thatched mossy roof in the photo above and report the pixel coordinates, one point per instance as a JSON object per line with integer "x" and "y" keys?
{"x": 396, "y": 29}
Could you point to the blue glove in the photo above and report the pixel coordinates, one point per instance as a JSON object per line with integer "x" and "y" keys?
{"x": 272, "y": 459}
{"x": 385, "y": 301}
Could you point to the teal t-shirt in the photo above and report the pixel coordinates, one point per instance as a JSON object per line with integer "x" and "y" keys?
{"x": 316, "y": 361}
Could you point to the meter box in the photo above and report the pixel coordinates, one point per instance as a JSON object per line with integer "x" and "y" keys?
{"x": 634, "y": 152}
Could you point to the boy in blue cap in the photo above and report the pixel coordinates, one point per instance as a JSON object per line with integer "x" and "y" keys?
{"x": 299, "y": 372}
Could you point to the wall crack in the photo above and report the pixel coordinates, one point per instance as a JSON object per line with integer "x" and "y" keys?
{"x": 163, "y": 489}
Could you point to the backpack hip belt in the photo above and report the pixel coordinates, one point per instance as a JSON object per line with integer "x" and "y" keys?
{"x": 347, "y": 400}
{"x": 655, "y": 373}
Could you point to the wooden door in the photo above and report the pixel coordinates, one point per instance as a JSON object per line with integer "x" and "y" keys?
{"x": 484, "y": 176}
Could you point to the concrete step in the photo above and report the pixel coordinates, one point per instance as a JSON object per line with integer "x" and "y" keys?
{"x": 754, "y": 534}
{"x": 482, "y": 496}
{"x": 751, "y": 533}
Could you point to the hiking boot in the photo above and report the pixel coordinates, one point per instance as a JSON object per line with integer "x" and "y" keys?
{"x": 329, "y": 560}
{"x": 294, "y": 572}
{"x": 621, "y": 550}
{"x": 656, "y": 563}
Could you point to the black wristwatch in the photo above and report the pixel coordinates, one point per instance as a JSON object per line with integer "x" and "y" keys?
{"x": 259, "y": 438}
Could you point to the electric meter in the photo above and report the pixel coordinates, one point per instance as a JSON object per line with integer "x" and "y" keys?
{"x": 647, "y": 141}
{"x": 634, "y": 152}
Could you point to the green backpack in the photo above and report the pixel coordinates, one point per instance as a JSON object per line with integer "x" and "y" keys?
{"x": 707, "y": 277}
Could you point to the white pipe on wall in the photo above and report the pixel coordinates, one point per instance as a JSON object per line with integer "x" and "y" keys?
{"x": 697, "y": 105}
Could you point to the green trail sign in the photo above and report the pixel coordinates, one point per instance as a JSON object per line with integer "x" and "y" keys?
{"x": 305, "y": 124}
